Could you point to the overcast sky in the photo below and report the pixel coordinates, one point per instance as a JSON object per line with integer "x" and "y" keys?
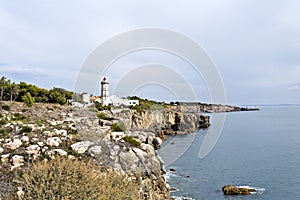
{"x": 255, "y": 44}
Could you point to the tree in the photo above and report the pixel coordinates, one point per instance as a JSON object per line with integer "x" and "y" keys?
{"x": 56, "y": 97}
{"x": 2, "y": 86}
{"x": 28, "y": 100}
{"x": 14, "y": 91}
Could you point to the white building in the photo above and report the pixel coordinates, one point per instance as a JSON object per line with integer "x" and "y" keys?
{"x": 113, "y": 100}
{"x": 85, "y": 98}
{"x": 105, "y": 100}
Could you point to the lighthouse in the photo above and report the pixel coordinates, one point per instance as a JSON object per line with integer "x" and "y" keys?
{"x": 105, "y": 101}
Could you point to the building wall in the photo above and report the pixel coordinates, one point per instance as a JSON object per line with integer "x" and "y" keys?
{"x": 85, "y": 98}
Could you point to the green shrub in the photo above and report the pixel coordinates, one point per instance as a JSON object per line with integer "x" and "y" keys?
{"x": 99, "y": 107}
{"x": 63, "y": 178}
{"x": 18, "y": 117}
{"x": 118, "y": 127}
{"x": 137, "y": 108}
{"x": 40, "y": 122}
{"x": 1, "y": 115}
{"x": 1, "y": 131}
{"x": 25, "y": 129}
{"x": 104, "y": 117}
{"x": 28, "y": 99}
{"x": 6, "y": 107}
{"x": 3, "y": 122}
{"x": 132, "y": 140}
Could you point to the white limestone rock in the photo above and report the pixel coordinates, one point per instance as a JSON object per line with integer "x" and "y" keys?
{"x": 25, "y": 138}
{"x": 5, "y": 157}
{"x": 61, "y": 132}
{"x": 81, "y": 147}
{"x": 17, "y": 161}
{"x": 48, "y": 133}
{"x": 53, "y": 141}
{"x": 59, "y": 152}
{"x": 13, "y": 145}
{"x": 33, "y": 150}
{"x": 95, "y": 150}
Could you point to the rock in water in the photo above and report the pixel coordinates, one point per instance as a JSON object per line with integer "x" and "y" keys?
{"x": 233, "y": 190}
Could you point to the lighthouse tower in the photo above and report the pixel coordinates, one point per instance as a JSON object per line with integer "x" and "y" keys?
{"x": 105, "y": 101}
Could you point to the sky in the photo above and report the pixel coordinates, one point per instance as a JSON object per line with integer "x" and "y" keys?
{"x": 255, "y": 45}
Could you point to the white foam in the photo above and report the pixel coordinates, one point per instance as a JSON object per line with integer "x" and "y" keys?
{"x": 169, "y": 174}
{"x": 257, "y": 189}
{"x": 181, "y": 198}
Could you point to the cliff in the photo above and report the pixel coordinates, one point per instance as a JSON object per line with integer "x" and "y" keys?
{"x": 162, "y": 122}
{"x": 46, "y": 131}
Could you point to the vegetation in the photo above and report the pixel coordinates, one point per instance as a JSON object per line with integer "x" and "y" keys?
{"x": 25, "y": 129}
{"x": 63, "y": 178}
{"x": 131, "y": 140}
{"x": 28, "y": 100}
{"x": 118, "y": 127}
{"x": 18, "y": 117}
{"x": 104, "y": 117}
{"x": 145, "y": 104}
{"x": 5, "y": 107}
{"x": 11, "y": 91}
{"x": 99, "y": 107}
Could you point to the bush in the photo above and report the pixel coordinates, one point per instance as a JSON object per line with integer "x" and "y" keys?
{"x": 19, "y": 117}
{"x": 6, "y": 107}
{"x": 118, "y": 127}
{"x": 25, "y": 129}
{"x": 132, "y": 140}
{"x": 104, "y": 117}
{"x": 3, "y": 122}
{"x": 63, "y": 178}
{"x": 99, "y": 107}
{"x": 28, "y": 99}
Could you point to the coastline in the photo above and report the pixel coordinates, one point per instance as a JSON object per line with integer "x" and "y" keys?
{"x": 87, "y": 135}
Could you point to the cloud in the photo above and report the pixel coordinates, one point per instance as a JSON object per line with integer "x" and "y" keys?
{"x": 294, "y": 87}
{"x": 21, "y": 73}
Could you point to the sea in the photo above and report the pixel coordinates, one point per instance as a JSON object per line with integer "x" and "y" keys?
{"x": 256, "y": 149}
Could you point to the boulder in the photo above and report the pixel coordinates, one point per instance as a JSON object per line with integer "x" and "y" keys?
{"x": 33, "y": 150}
{"x": 25, "y": 138}
{"x": 60, "y": 132}
{"x": 5, "y": 158}
{"x": 16, "y": 143}
{"x": 17, "y": 161}
{"x": 95, "y": 150}
{"x": 53, "y": 141}
{"x": 59, "y": 152}
{"x": 233, "y": 190}
{"x": 81, "y": 147}
{"x": 157, "y": 142}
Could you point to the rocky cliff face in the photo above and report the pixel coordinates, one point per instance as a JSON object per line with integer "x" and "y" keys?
{"x": 47, "y": 131}
{"x": 162, "y": 121}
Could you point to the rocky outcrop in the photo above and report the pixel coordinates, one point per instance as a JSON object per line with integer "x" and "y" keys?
{"x": 162, "y": 122}
{"x": 49, "y": 131}
{"x": 233, "y": 190}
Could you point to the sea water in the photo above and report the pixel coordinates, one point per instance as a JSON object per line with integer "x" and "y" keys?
{"x": 259, "y": 149}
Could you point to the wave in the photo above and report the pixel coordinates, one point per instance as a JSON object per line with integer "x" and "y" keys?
{"x": 257, "y": 189}
{"x": 170, "y": 174}
{"x": 182, "y": 198}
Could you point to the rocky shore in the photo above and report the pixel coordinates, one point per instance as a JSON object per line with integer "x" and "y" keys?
{"x": 122, "y": 139}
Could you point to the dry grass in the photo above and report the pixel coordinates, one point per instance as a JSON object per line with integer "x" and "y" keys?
{"x": 74, "y": 179}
